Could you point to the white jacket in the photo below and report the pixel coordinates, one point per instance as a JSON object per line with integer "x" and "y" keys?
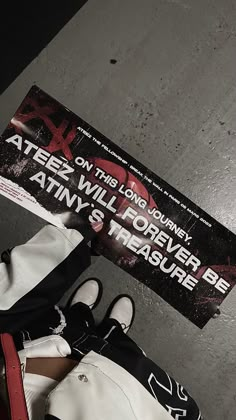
{"x": 98, "y": 389}
{"x": 40, "y": 272}
{"x": 108, "y": 393}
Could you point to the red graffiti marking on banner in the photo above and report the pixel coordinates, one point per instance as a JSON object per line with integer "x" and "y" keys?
{"x": 58, "y": 142}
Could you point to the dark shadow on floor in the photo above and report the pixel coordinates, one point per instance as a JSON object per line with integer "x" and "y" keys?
{"x": 26, "y": 28}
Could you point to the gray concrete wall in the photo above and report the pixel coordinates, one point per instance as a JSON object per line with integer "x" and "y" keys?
{"x": 176, "y": 60}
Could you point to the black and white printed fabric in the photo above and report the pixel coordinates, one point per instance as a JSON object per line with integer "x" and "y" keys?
{"x": 125, "y": 352}
{"x": 75, "y": 335}
{"x": 39, "y": 273}
{"x": 100, "y": 389}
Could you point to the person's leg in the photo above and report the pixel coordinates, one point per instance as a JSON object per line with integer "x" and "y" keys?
{"x": 70, "y": 323}
{"x": 117, "y": 322}
{"x": 122, "y": 350}
{"x": 56, "y": 353}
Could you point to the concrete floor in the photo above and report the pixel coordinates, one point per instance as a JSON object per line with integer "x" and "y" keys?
{"x": 176, "y": 59}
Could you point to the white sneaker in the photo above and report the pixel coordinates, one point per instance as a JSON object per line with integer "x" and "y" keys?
{"x": 89, "y": 293}
{"x": 122, "y": 309}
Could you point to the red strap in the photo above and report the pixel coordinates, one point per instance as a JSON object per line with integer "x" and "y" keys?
{"x": 15, "y": 388}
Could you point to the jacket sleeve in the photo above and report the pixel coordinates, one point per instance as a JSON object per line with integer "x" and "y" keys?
{"x": 38, "y": 274}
